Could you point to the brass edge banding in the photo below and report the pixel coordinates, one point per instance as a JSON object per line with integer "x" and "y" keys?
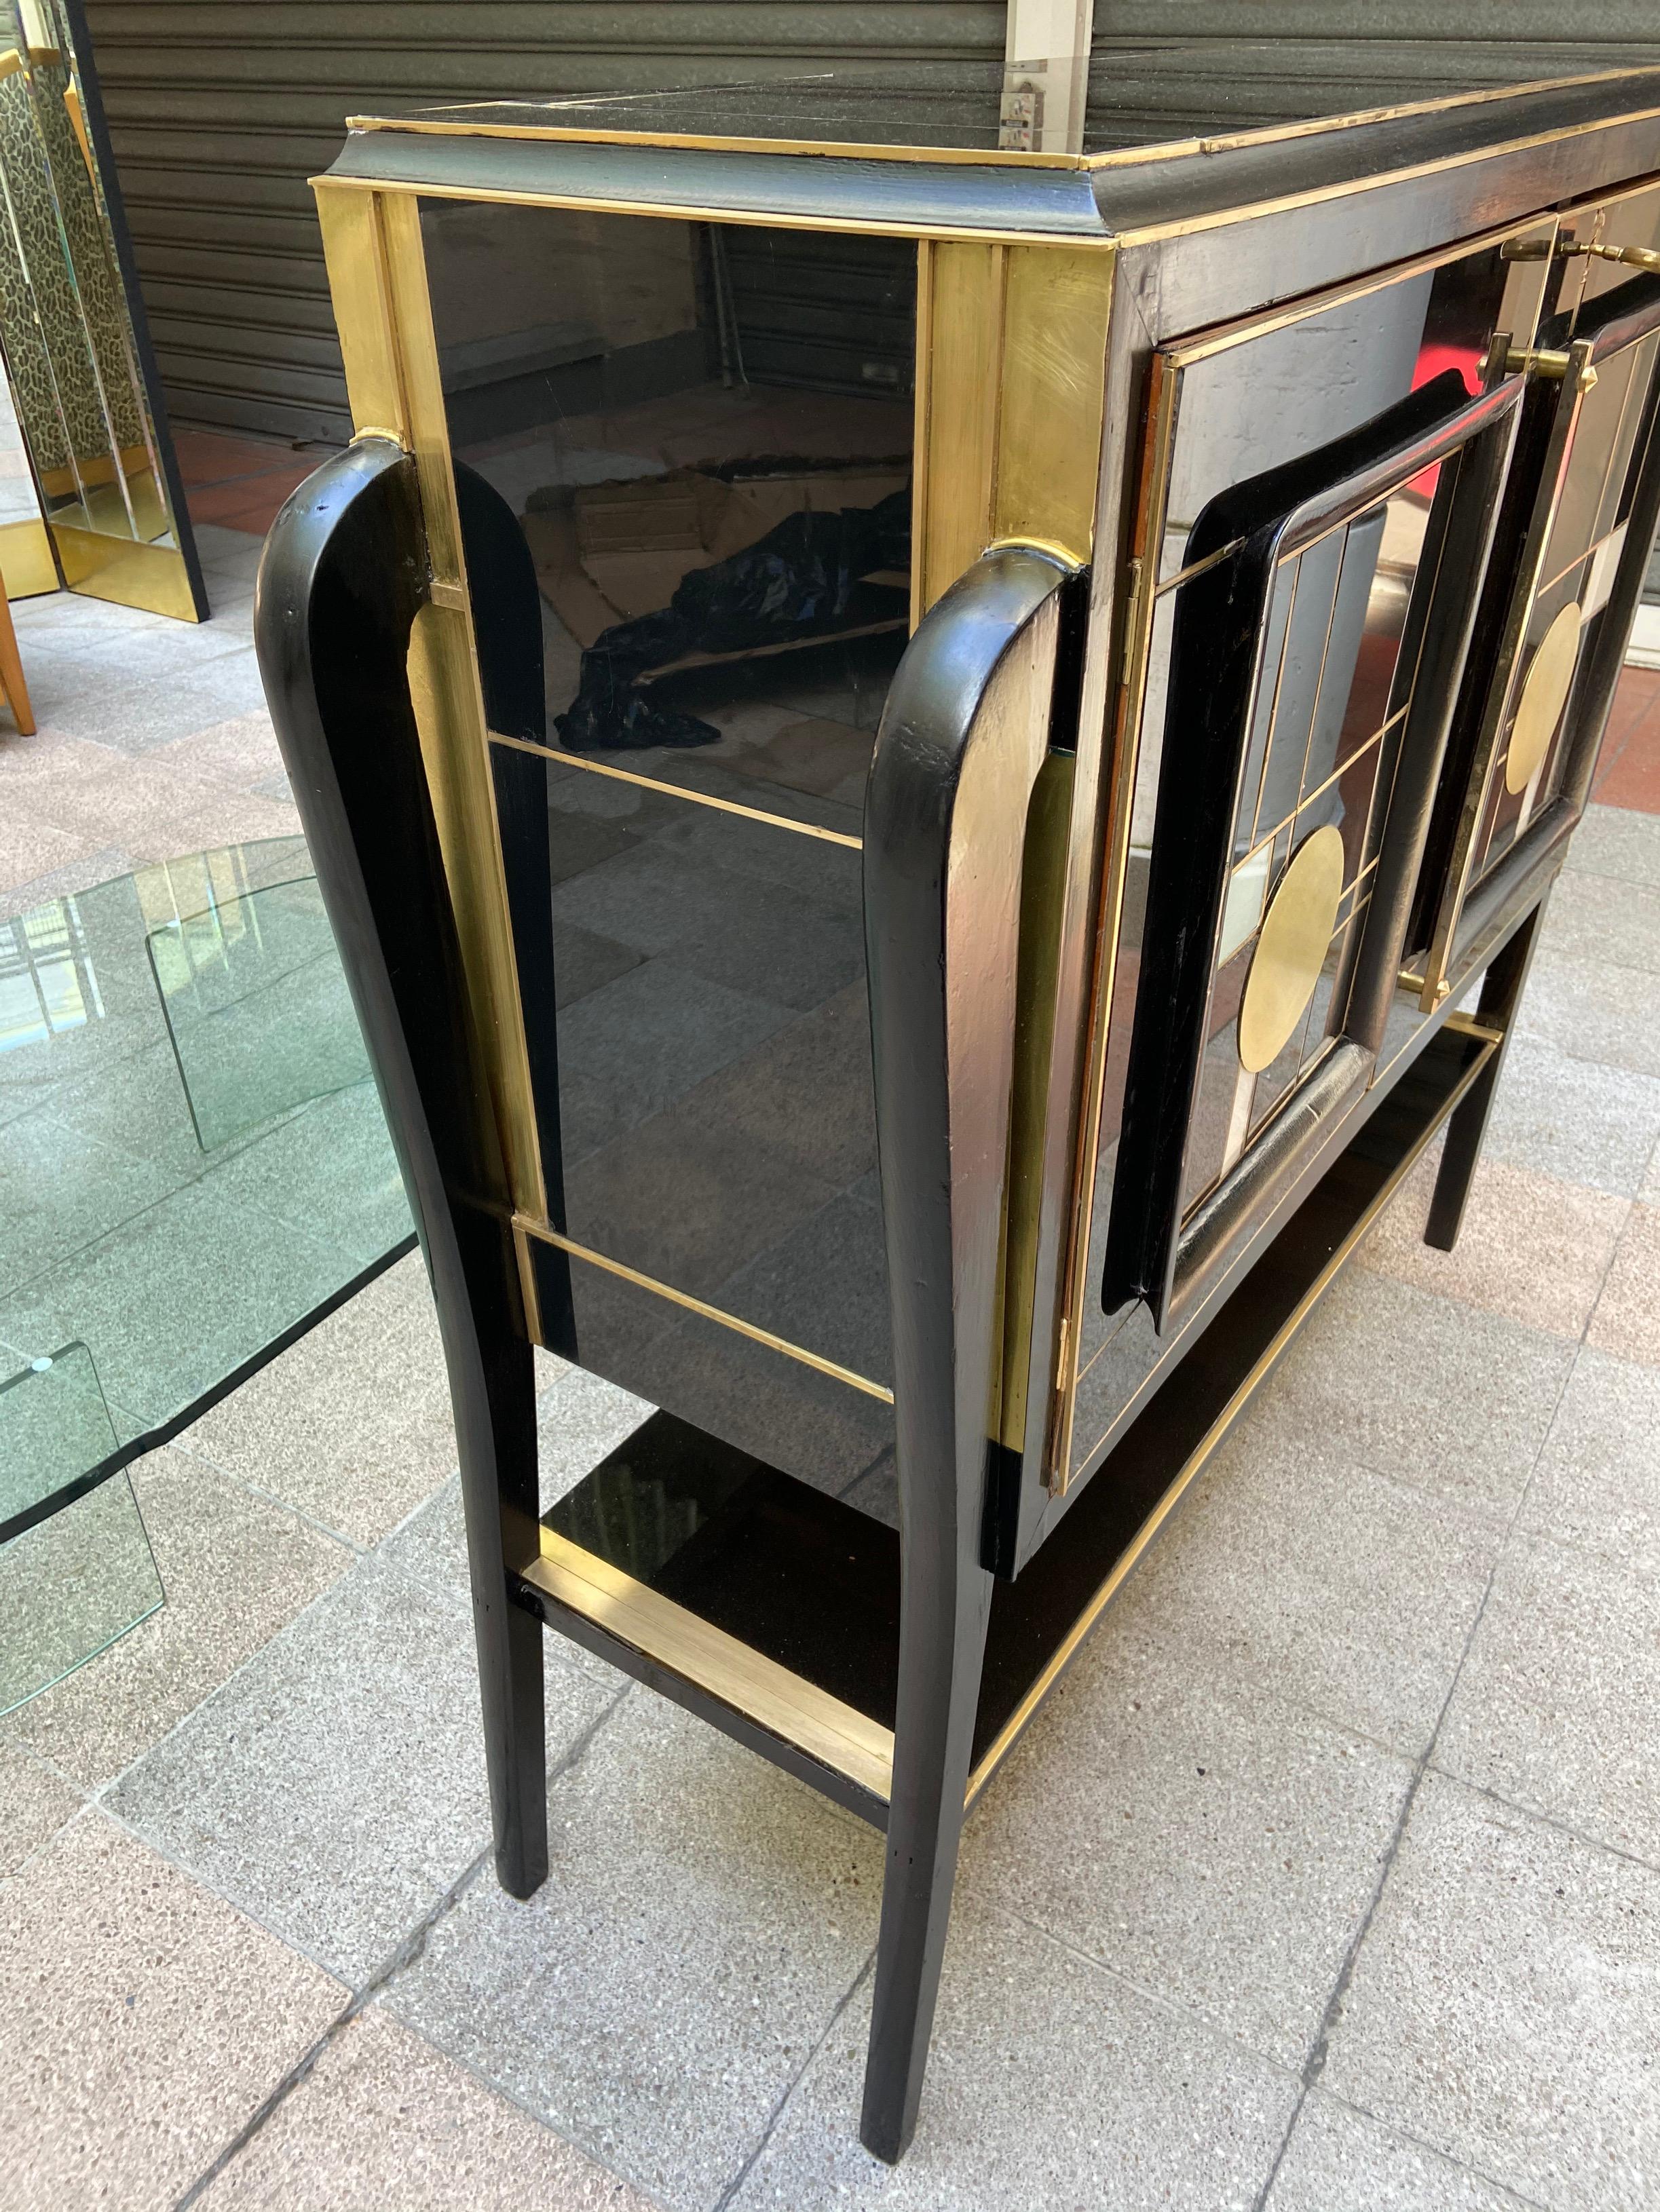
{"x": 1127, "y": 1560}
{"x": 837, "y": 1736}
{"x": 680, "y": 791}
{"x": 748, "y": 1328}
{"x": 527, "y": 1290}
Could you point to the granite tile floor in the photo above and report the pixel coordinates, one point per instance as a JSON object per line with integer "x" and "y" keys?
{"x": 1328, "y": 1882}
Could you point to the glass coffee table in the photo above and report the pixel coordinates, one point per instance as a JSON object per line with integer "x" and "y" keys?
{"x": 194, "y": 1170}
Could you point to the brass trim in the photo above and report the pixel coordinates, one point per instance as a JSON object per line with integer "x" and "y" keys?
{"x": 525, "y": 1227}
{"x": 680, "y": 791}
{"x": 998, "y": 1750}
{"x": 378, "y": 282}
{"x": 786, "y": 1706}
{"x": 1147, "y": 536}
{"x": 1551, "y": 362}
{"x": 125, "y": 571}
{"x": 1117, "y": 157}
{"x": 1243, "y": 329}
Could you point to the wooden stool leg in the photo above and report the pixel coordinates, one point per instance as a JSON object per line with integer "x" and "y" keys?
{"x": 11, "y": 670}
{"x": 1501, "y": 992}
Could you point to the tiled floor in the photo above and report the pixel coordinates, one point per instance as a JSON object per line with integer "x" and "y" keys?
{"x": 1330, "y": 1882}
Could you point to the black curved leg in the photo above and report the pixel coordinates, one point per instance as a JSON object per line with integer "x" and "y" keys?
{"x": 963, "y": 735}
{"x": 1501, "y": 994}
{"x": 343, "y": 574}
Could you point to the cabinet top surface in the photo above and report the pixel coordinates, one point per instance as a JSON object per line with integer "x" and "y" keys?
{"x": 1138, "y": 103}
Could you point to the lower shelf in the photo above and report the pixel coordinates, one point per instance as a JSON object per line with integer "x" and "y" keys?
{"x": 773, "y": 1610}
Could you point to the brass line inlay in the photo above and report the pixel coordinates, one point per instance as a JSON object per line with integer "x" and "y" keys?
{"x": 1128, "y": 1558}
{"x": 836, "y": 1735}
{"x": 525, "y": 1227}
{"x": 680, "y": 791}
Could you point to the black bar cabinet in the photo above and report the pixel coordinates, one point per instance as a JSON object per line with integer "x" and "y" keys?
{"x": 936, "y": 755}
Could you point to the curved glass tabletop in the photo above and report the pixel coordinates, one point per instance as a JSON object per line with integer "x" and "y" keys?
{"x": 194, "y": 1169}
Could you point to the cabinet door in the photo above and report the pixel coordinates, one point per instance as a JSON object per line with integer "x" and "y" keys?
{"x": 1313, "y": 649}
{"x": 1586, "y": 429}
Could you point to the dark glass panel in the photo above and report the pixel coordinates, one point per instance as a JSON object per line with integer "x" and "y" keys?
{"x": 1281, "y": 600}
{"x": 706, "y": 432}
{"x": 1306, "y": 636}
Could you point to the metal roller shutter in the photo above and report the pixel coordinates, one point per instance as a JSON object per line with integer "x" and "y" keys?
{"x": 220, "y": 110}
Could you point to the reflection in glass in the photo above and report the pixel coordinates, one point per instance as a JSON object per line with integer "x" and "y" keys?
{"x": 257, "y": 1007}
{"x": 81, "y": 1576}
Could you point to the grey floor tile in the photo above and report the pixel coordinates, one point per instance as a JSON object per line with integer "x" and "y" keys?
{"x": 1341, "y": 2160}
{"x": 1626, "y": 1322}
{"x": 1595, "y": 1011}
{"x": 383, "y": 2119}
{"x": 1424, "y": 1389}
{"x": 236, "y": 1569}
{"x": 34, "y": 1803}
{"x": 1613, "y": 841}
{"x": 60, "y": 1189}
{"x": 160, "y": 1329}
{"x": 1328, "y": 1584}
{"x": 1554, "y": 1706}
{"x": 1597, "y": 1483}
{"x": 143, "y": 2022}
{"x": 1052, "y": 2086}
{"x": 1574, "y": 1119}
{"x": 580, "y": 1419}
{"x": 1530, "y": 1247}
{"x": 1600, "y": 918}
{"x": 1194, "y": 1833}
{"x": 703, "y": 1918}
{"x": 1506, "y": 2006}
{"x": 335, "y": 1787}
{"x": 352, "y": 1424}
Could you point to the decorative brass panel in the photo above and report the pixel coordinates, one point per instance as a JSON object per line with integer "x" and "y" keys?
{"x": 1544, "y": 694}
{"x": 1297, "y": 930}
{"x": 1011, "y": 375}
{"x": 26, "y": 562}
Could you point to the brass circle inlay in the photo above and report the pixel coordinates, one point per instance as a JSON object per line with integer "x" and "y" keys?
{"x": 1291, "y": 950}
{"x": 1544, "y": 694}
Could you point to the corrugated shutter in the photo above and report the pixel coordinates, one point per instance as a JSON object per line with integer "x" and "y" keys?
{"x": 220, "y": 110}
{"x": 1165, "y": 69}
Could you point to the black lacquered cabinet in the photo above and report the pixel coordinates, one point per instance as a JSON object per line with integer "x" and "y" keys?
{"x": 936, "y": 761}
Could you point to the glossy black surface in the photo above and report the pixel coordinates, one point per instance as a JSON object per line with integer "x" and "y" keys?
{"x": 705, "y": 434}
{"x": 1138, "y": 92}
{"x": 341, "y": 579}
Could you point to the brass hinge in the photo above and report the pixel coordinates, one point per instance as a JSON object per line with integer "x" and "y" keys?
{"x": 1547, "y": 362}
{"x": 1409, "y": 980}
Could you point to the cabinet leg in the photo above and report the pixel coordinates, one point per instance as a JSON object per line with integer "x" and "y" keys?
{"x": 494, "y": 1387}
{"x": 938, "y": 1695}
{"x": 1501, "y": 992}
